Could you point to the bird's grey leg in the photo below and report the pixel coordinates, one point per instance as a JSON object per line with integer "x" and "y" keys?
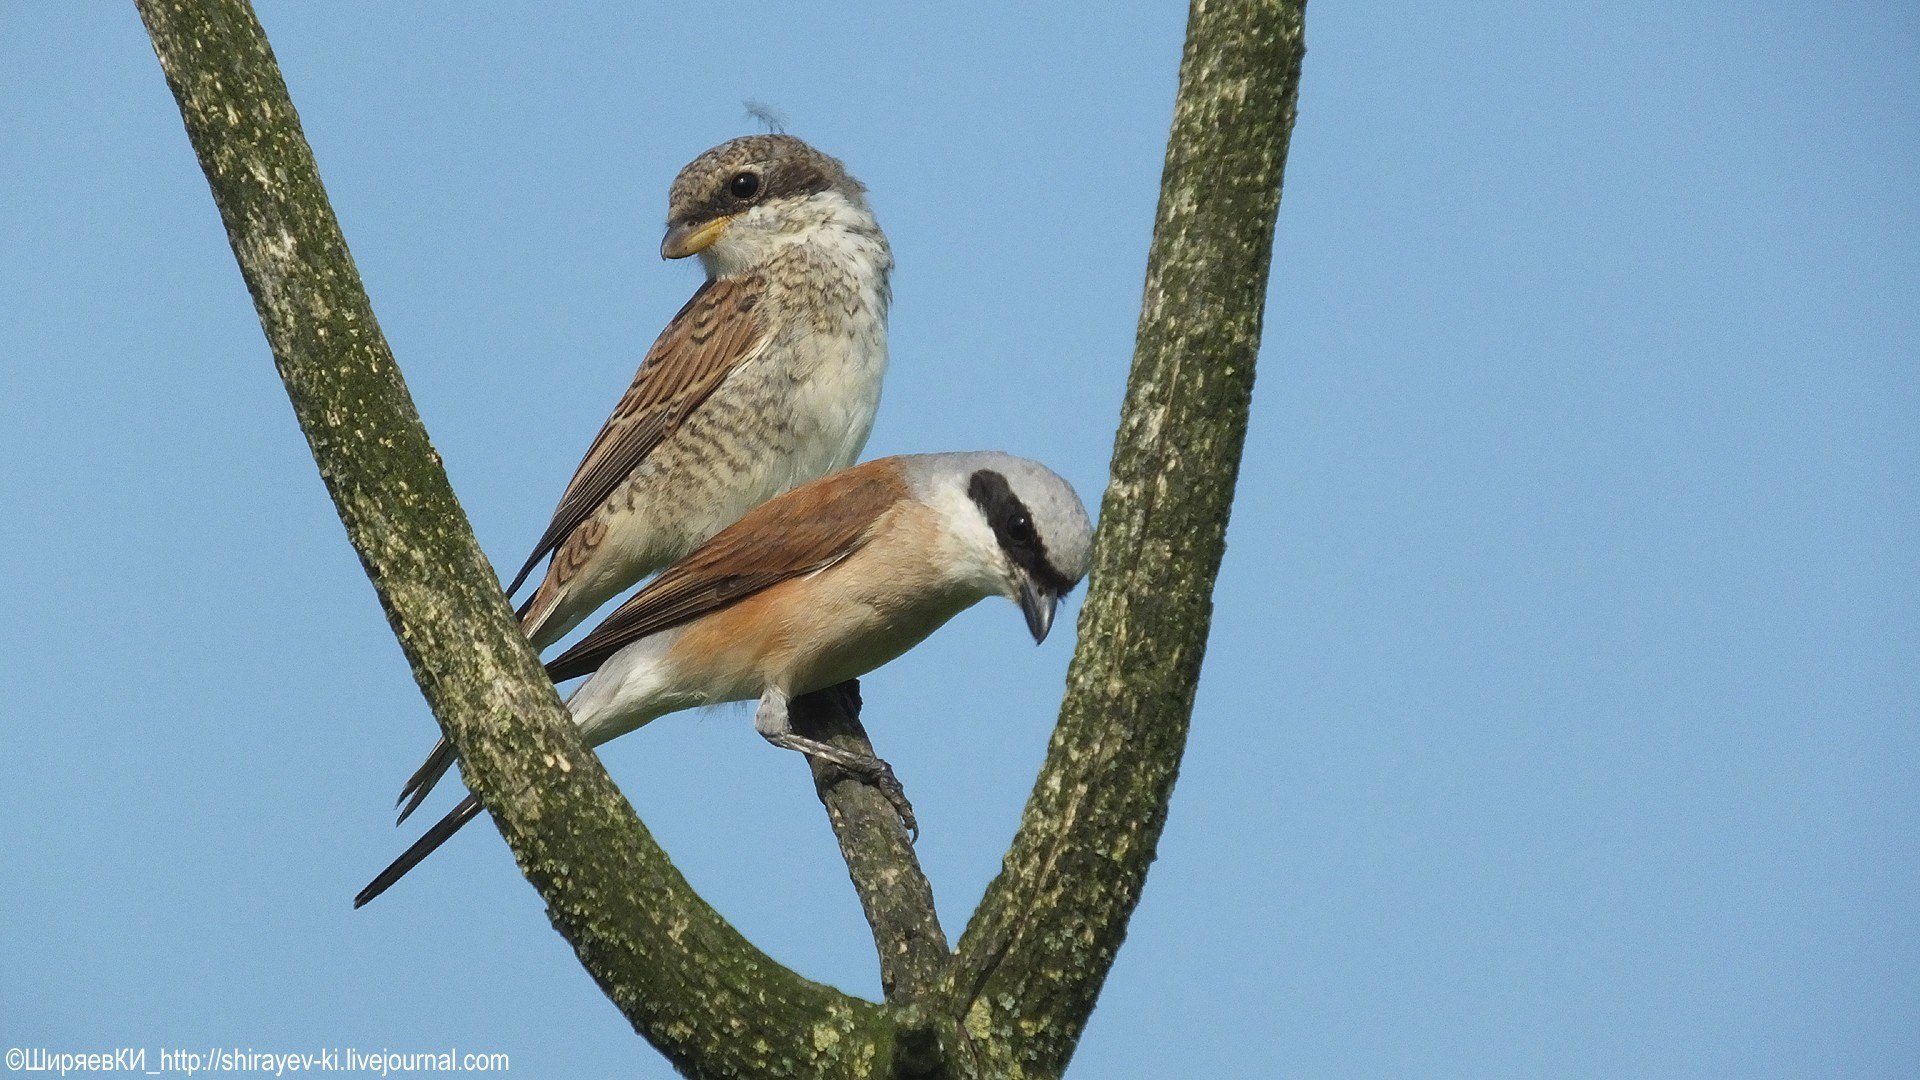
{"x": 775, "y": 724}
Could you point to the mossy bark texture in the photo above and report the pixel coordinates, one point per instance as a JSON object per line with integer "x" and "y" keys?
{"x": 687, "y": 980}
{"x": 1033, "y": 958}
{"x": 893, "y": 890}
{"x": 1014, "y": 998}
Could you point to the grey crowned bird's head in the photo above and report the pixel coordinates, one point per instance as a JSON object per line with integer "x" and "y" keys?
{"x": 738, "y": 202}
{"x": 1018, "y": 528}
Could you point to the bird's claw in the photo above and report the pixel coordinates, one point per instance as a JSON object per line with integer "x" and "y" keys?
{"x": 890, "y": 789}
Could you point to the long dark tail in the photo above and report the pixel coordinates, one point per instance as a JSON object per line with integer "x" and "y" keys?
{"x": 423, "y": 778}
{"x": 441, "y": 832}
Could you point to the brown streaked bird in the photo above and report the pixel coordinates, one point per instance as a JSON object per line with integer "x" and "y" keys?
{"x": 767, "y": 378}
{"x": 818, "y": 586}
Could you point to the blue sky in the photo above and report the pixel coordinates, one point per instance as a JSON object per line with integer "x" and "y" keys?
{"x": 1559, "y": 714}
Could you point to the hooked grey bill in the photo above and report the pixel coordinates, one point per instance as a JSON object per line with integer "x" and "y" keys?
{"x": 1037, "y": 605}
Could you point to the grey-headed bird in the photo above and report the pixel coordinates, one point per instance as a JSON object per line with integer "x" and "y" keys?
{"x": 767, "y": 378}
{"x": 815, "y": 587}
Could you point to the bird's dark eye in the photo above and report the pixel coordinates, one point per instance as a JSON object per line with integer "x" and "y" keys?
{"x": 1021, "y": 527}
{"x": 744, "y": 185}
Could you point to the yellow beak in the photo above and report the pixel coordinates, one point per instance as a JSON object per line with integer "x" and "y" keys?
{"x": 685, "y": 240}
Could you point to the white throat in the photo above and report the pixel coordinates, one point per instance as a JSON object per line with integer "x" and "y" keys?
{"x": 827, "y": 226}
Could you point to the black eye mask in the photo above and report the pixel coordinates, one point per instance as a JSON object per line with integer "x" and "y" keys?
{"x": 1013, "y": 527}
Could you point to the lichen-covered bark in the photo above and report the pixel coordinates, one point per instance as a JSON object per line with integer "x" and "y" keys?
{"x": 1014, "y": 999}
{"x": 703, "y": 995}
{"x": 880, "y": 859}
{"x": 1032, "y": 960}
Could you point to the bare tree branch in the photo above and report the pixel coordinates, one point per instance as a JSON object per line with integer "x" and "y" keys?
{"x": 880, "y": 858}
{"x": 702, "y": 994}
{"x": 1033, "y": 959}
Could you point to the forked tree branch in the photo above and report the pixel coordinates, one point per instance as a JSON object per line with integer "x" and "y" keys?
{"x": 1015, "y": 998}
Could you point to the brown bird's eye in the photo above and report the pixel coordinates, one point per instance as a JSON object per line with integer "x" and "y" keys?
{"x": 744, "y": 185}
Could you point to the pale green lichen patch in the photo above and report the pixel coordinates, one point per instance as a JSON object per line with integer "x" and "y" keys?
{"x": 979, "y": 1020}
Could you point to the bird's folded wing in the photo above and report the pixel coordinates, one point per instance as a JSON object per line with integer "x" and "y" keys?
{"x": 717, "y": 331}
{"x": 802, "y": 532}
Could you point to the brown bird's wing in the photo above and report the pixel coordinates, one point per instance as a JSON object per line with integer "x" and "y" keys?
{"x": 712, "y": 335}
{"x": 806, "y": 530}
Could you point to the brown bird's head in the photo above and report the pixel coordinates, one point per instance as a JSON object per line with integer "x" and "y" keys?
{"x": 736, "y": 203}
